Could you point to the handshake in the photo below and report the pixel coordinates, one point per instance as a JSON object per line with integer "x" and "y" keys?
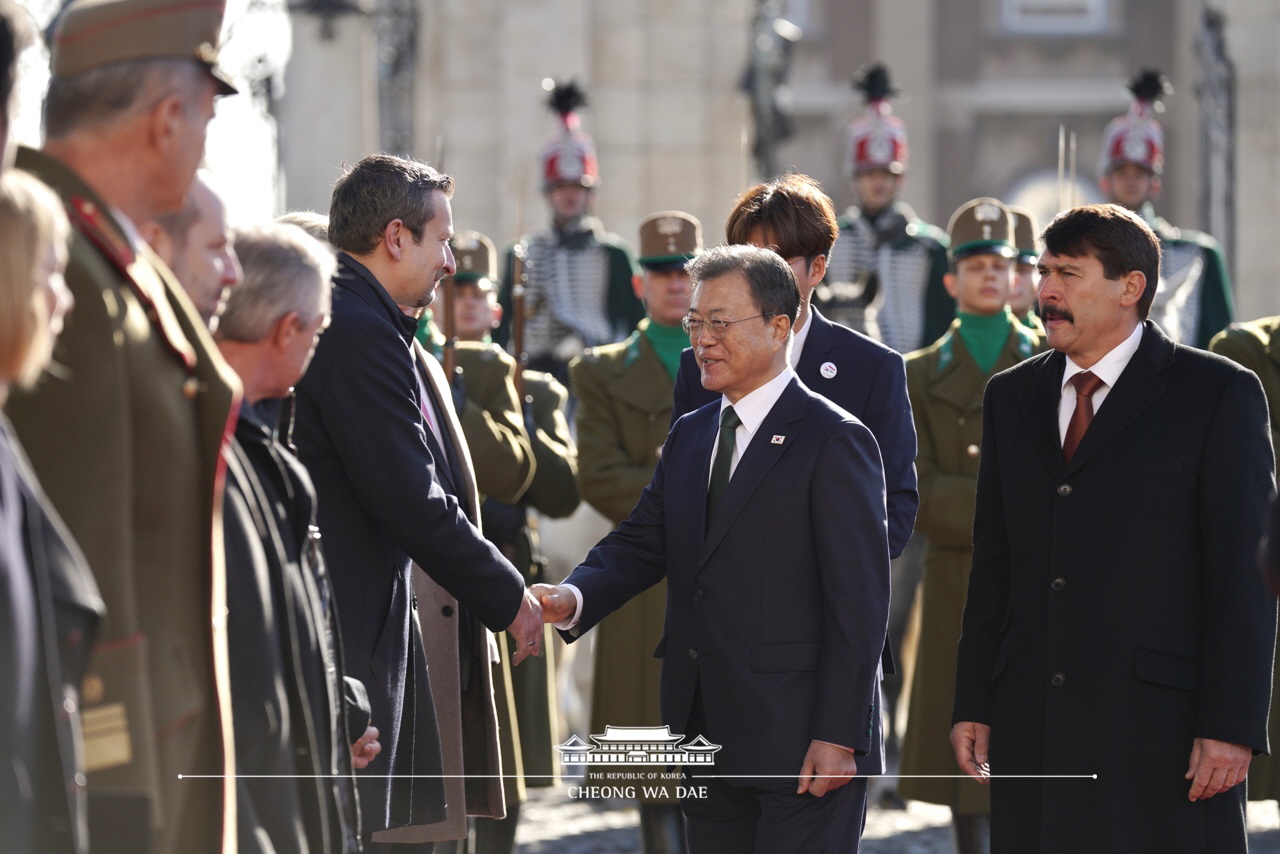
{"x": 543, "y": 603}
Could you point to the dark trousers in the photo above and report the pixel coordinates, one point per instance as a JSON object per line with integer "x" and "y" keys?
{"x": 771, "y": 819}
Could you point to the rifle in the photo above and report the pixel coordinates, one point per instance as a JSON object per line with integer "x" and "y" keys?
{"x": 519, "y": 275}
{"x": 448, "y": 324}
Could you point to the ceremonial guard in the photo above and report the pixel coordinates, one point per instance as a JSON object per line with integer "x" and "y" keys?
{"x": 1193, "y": 302}
{"x": 580, "y": 279}
{"x": 885, "y": 274}
{"x": 126, "y": 432}
{"x": 625, "y": 400}
{"x": 945, "y": 382}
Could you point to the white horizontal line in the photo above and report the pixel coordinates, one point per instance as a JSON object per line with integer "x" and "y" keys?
{"x": 664, "y": 780}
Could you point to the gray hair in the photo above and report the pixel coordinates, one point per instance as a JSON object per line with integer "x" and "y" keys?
{"x": 771, "y": 279}
{"x": 109, "y": 93}
{"x": 281, "y": 266}
{"x": 377, "y": 190}
{"x": 313, "y": 223}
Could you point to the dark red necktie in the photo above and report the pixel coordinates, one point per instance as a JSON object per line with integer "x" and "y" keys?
{"x": 1086, "y": 383}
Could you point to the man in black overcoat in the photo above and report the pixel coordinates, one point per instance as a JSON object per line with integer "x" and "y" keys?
{"x": 369, "y": 433}
{"x": 1118, "y": 636}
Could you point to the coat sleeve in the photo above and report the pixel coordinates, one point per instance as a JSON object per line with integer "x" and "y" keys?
{"x": 610, "y": 477}
{"x": 1237, "y": 477}
{"x": 630, "y": 560}
{"x": 888, "y": 415}
{"x": 853, "y": 569}
{"x": 368, "y": 405}
{"x": 946, "y": 500}
{"x": 982, "y": 628}
{"x": 501, "y": 455}
{"x": 554, "y": 490}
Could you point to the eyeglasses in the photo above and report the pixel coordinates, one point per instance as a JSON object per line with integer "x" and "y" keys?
{"x": 719, "y": 327}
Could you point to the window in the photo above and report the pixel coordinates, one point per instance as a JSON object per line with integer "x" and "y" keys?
{"x": 1054, "y": 17}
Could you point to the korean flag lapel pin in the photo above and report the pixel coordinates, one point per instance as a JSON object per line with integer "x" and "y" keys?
{"x": 828, "y": 370}
{"x": 778, "y": 440}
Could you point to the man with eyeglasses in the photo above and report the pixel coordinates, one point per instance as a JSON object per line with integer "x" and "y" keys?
{"x": 766, "y": 517}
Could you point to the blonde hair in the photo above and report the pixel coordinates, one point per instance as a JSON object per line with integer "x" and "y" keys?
{"x": 31, "y": 220}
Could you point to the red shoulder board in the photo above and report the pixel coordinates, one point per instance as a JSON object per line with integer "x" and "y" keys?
{"x": 91, "y": 221}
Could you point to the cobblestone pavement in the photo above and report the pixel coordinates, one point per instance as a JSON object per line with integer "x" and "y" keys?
{"x": 553, "y": 823}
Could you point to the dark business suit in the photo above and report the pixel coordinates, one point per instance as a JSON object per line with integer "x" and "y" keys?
{"x": 870, "y": 382}
{"x": 49, "y": 614}
{"x": 360, "y": 432}
{"x": 777, "y": 606}
{"x": 1115, "y": 609}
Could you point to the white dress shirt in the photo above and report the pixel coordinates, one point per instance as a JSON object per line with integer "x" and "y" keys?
{"x": 1108, "y": 369}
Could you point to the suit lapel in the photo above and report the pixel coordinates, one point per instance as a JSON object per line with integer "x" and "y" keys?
{"x": 1139, "y": 386}
{"x": 816, "y": 348}
{"x": 1040, "y": 399}
{"x": 760, "y": 457}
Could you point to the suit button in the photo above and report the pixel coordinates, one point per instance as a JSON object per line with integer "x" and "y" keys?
{"x": 1058, "y": 680}
{"x": 972, "y": 450}
{"x": 693, "y": 654}
{"x": 1058, "y": 583}
{"x": 1064, "y": 489}
{"x": 447, "y": 610}
{"x": 698, "y": 594}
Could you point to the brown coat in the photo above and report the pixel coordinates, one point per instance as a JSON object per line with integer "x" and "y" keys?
{"x": 126, "y": 437}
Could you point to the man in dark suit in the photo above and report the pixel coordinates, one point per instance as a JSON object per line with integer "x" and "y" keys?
{"x": 776, "y": 558}
{"x": 793, "y": 217}
{"x": 369, "y": 429}
{"x": 1116, "y": 623}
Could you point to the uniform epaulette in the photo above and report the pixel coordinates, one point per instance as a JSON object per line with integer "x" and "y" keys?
{"x": 632, "y": 351}
{"x": 90, "y": 220}
{"x": 921, "y": 230}
{"x": 1027, "y": 340}
{"x": 946, "y": 350}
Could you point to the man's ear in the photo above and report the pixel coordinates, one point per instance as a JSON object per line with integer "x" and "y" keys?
{"x": 949, "y": 282}
{"x": 159, "y": 240}
{"x": 1134, "y": 282}
{"x": 163, "y": 123}
{"x": 284, "y": 330}
{"x": 496, "y": 308}
{"x": 394, "y": 234}
{"x": 637, "y": 285}
{"x": 1156, "y": 186}
{"x": 818, "y": 269}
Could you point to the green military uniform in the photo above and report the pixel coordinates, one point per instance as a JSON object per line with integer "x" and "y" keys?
{"x": 126, "y": 437}
{"x": 624, "y": 411}
{"x": 501, "y": 455}
{"x": 945, "y": 385}
{"x": 1256, "y": 345}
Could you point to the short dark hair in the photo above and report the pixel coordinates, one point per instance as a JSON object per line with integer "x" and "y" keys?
{"x": 772, "y": 282}
{"x": 1117, "y": 237}
{"x": 378, "y": 189}
{"x": 792, "y": 211}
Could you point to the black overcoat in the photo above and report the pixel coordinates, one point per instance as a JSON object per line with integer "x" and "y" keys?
{"x": 1115, "y": 609}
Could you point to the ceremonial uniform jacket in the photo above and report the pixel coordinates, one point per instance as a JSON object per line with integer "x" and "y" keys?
{"x": 126, "y": 436}
{"x": 1115, "y": 609}
{"x": 885, "y": 278}
{"x": 579, "y": 293}
{"x": 946, "y": 385}
{"x": 1193, "y": 301}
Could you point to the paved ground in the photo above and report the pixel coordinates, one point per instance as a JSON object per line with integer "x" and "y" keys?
{"x": 552, "y": 823}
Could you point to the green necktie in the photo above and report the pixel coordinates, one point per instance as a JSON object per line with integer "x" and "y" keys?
{"x": 729, "y": 422}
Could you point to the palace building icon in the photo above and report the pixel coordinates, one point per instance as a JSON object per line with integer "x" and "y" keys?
{"x": 651, "y": 745}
